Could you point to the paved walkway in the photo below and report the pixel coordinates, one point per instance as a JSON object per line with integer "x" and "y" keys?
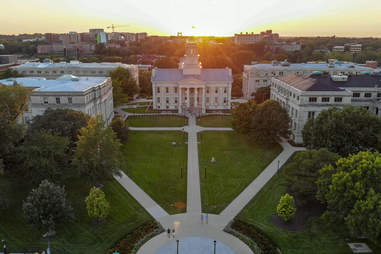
{"x": 189, "y": 224}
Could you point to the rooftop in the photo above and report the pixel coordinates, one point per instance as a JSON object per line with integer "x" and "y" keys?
{"x": 207, "y": 75}
{"x": 319, "y": 82}
{"x": 66, "y": 83}
{"x": 73, "y": 64}
{"x": 312, "y": 66}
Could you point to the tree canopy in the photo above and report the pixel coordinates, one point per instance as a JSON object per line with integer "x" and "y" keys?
{"x": 352, "y": 191}
{"x": 13, "y": 101}
{"x": 302, "y": 172}
{"x": 46, "y": 207}
{"x": 124, "y": 85}
{"x": 62, "y": 122}
{"x": 98, "y": 154}
{"x": 43, "y": 156}
{"x": 145, "y": 83}
{"x": 242, "y": 116}
{"x": 96, "y": 204}
{"x": 120, "y": 127}
{"x": 262, "y": 94}
{"x": 344, "y": 131}
{"x": 286, "y": 207}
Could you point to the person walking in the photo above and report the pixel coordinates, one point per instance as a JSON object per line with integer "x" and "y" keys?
{"x": 206, "y": 218}
{"x": 202, "y": 218}
{"x": 173, "y": 233}
{"x": 169, "y": 233}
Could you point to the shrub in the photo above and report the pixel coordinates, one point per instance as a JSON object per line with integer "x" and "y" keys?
{"x": 286, "y": 207}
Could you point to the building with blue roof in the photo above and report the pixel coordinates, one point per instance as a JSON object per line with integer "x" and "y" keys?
{"x": 191, "y": 87}
{"x": 90, "y": 95}
{"x": 259, "y": 75}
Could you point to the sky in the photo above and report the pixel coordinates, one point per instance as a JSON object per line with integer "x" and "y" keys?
{"x": 353, "y": 18}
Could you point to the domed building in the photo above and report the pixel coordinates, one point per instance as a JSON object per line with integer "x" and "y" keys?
{"x": 191, "y": 88}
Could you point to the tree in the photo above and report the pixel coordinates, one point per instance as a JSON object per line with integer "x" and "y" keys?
{"x": 145, "y": 83}
{"x": 262, "y": 94}
{"x": 237, "y": 85}
{"x": 344, "y": 131}
{"x": 167, "y": 62}
{"x": 9, "y": 73}
{"x": 303, "y": 171}
{"x": 352, "y": 192}
{"x": 242, "y": 116}
{"x": 46, "y": 207}
{"x": 43, "y": 156}
{"x": 62, "y": 122}
{"x": 96, "y": 204}
{"x": 98, "y": 154}
{"x": 120, "y": 127}
{"x": 123, "y": 85}
{"x": 286, "y": 207}
{"x": 269, "y": 122}
{"x": 13, "y": 102}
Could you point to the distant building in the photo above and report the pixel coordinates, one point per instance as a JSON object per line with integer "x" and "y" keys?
{"x": 69, "y": 49}
{"x": 90, "y": 95}
{"x": 371, "y": 64}
{"x": 71, "y": 38}
{"x": 93, "y": 33}
{"x": 2, "y": 46}
{"x": 251, "y": 38}
{"x": 141, "y": 36}
{"x": 289, "y": 47}
{"x": 54, "y": 70}
{"x": 52, "y": 37}
{"x": 304, "y": 97}
{"x": 353, "y": 47}
{"x": 8, "y": 59}
{"x": 191, "y": 87}
{"x": 338, "y": 49}
{"x": 259, "y": 75}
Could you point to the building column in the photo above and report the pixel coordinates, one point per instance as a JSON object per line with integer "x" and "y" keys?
{"x": 179, "y": 100}
{"x": 203, "y": 100}
{"x": 195, "y": 96}
{"x": 154, "y": 96}
{"x": 188, "y": 98}
{"x": 229, "y": 88}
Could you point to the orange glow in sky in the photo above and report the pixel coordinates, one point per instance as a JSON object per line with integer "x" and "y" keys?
{"x": 209, "y": 17}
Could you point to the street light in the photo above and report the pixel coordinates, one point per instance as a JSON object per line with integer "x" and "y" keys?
{"x": 177, "y": 242}
{"x": 215, "y": 246}
{"x": 4, "y": 245}
{"x": 48, "y": 235}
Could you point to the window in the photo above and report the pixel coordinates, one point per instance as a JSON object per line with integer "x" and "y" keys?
{"x": 39, "y": 72}
{"x": 158, "y": 90}
{"x": 338, "y": 99}
{"x": 281, "y": 73}
{"x": 216, "y": 90}
{"x": 225, "y": 100}
{"x": 175, "y": 99}
{"x": 207, "y": 99}
{"x": 70, "y": 100}
{"x": 207, "y": 90}
{"x": 325, "y": 99}
{"x": 216, "y": 100}
{"x": 31, "y": 72}
{"x": 58, "y": 100}
{"x": 378, "y": 94}
{"x": 175, "y": 89}
{"x": 224, "y": 90}
{"x": 167, "y": 100}
{"x": 167, "y": 90}
{"x": 311, "y": 114}
{"x": 46, "y": 101}
{"x": 367, "y": 95}
{"x": 54, "y": 72}
{"x": 62, "y": 72}
{"x": 356, "y": 95}
{"x": 158, "y": 99}
{"x": 313, "y": 99}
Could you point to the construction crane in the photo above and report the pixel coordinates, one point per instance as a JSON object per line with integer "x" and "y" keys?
{"x": 112, "y": 27}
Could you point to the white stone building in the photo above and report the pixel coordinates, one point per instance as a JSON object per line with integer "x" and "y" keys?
{"x": 305, "y": 97}
{"x": 191, "y": 87}
{"x": 90, "y": 95}
{"x": 52, "y": 70}
{"x": 259, "y": 75}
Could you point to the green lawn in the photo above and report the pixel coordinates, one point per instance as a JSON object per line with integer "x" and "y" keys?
{"x": 314, "y": 239}
{"x": 139, "y": 110}
{"x": 155, "y": 164}
{"x": 157, "y": 121}
{"x": 237, "y": 164}
{"x": 215, "y": 121}
{"x": 80, "y": 236}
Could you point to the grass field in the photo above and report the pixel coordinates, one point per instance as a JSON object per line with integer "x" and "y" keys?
{"x": 215, "y": 121}
{"x": 314, "y": 239}
{"x": 155, "y": 164}
{"x": 140, "y": 110}
{"x": 237, "y": 164}
{"x": 80, "y": 236}
{"x": 157, "y": 121}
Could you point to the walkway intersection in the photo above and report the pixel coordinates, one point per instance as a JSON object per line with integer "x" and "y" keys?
{"x": 189, "y": 224}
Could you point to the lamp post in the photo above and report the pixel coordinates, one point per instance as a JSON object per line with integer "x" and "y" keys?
{"x": 215, "y": 242}
{"x": 4, "y": 245}
{"x": 177, "y": 249}
{"x": 48, "y": 235}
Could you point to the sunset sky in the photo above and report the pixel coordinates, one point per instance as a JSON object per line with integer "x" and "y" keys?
{"x": 210, "y": 17}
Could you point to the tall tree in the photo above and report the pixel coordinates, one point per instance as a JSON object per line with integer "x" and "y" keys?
{"x": 46, "y": 207}
{"x": 262, "y": 94}
{"x": 123, "y": 84}
{"x": 352, "y": 191}
{"x": 303, "y": 171}
{"x": 120, "y": 127}
{"x": 243, "y": 116}
{"x": 270, "y": 122}
{"x": 13, "y": 101}
{"x": 98, "y": 154}
{"x": 344, "y": 131}
{"x": 145, "y": 83}
{"x": 62, "y": 122}
{"x": 237, "y": 85}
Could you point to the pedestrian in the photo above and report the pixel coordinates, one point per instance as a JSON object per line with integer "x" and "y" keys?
{"x": 202, "y": 219}
{"x": 169, "y": 233}
{"x": 173, "y": 233}
{"x": 206, "y": 218}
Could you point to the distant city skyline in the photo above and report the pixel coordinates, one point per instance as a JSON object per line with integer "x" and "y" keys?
{"x": 207, "y": 17}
